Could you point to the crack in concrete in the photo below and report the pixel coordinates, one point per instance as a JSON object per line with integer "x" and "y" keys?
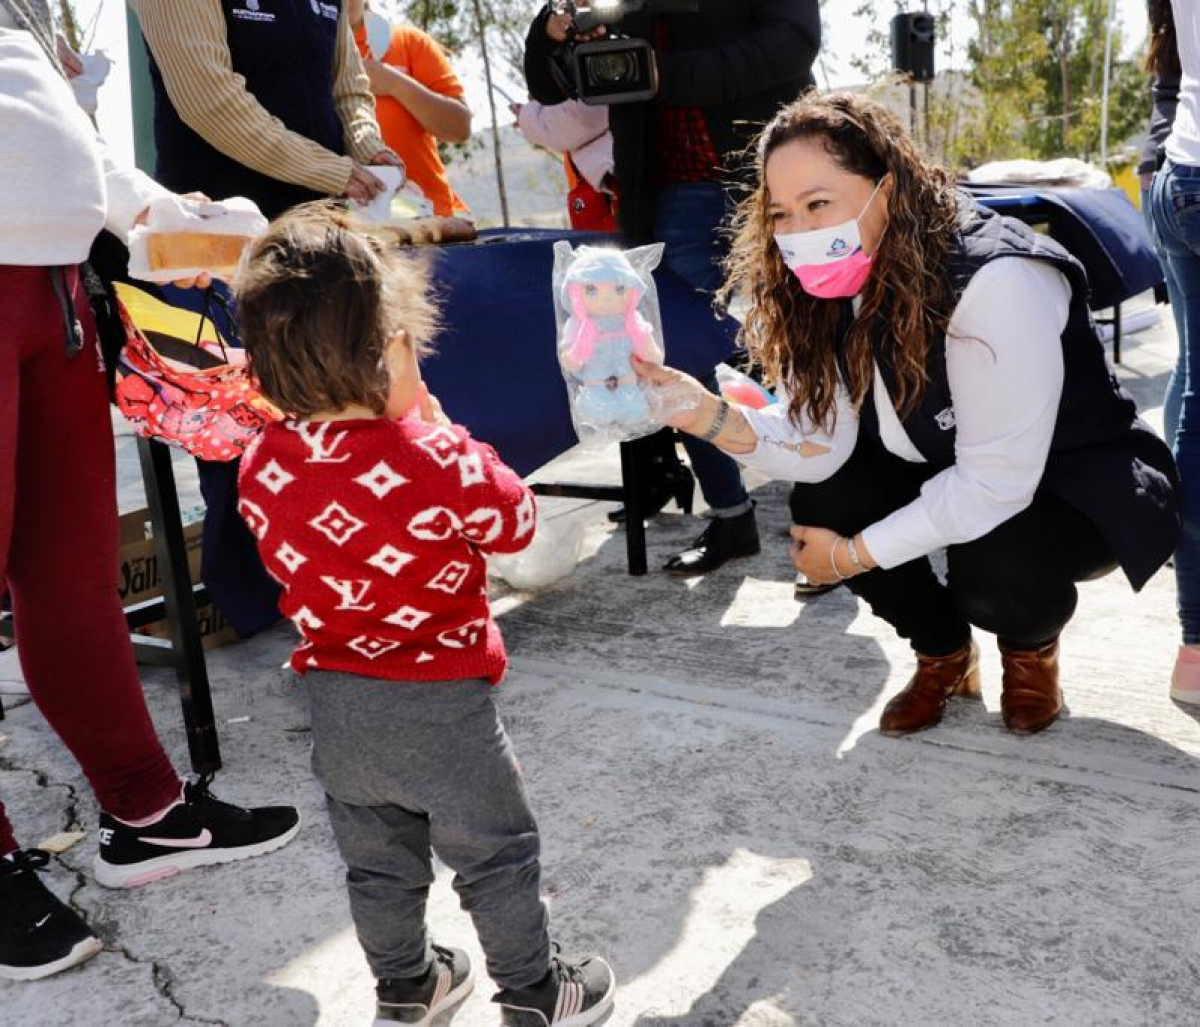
{"x": 160, "y": 974}
{"x": 164, "y": 984}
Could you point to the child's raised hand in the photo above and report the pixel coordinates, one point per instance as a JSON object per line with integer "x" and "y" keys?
{"x": 429, "y": 407}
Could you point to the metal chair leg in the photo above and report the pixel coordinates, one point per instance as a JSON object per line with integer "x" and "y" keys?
{"x": 186, "y": 648}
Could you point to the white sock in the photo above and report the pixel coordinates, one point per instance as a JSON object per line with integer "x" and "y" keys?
{"x": 154, "y": 818}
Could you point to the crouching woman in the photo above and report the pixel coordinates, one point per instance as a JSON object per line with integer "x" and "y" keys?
{"x": 941, "y": 386}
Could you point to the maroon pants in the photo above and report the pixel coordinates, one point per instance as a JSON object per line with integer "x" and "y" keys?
{"x": 58, "y": 549}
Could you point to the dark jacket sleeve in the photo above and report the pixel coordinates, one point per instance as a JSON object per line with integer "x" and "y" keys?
{"x": 538, "y": 49}
{"x": 781, "y": 48}
{"x": 1165, "y": 97}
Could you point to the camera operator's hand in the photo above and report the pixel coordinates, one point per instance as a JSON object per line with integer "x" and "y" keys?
{"x": 560, "y": 28}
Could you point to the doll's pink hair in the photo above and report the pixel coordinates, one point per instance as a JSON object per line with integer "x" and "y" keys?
{"x": 581, "y": 348}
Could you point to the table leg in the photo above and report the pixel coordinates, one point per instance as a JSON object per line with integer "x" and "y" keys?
{"x": 186, "y": 647}
{"x": 632, "y": 481}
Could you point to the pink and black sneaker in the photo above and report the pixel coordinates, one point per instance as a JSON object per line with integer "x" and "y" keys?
{"x": 198, "y": 830}
{"x": 574, "y": 993}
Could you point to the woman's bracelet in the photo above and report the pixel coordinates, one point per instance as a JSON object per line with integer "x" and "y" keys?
{"x": 714, "y": 429}
{"x": 854, "y": 557}
{"x": 833, "y": 563}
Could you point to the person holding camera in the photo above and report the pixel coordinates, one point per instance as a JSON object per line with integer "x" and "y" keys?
{"x": 721, "y": 71}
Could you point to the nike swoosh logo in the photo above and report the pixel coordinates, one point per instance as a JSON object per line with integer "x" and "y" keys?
{"x": 43, "y": 920}
{"x": 199, "y": 842}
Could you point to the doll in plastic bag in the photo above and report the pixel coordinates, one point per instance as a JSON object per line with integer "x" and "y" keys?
{"x": 601, "y": 295}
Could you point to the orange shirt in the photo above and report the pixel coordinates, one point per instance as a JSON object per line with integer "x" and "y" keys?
{"x": 417, "y": 54}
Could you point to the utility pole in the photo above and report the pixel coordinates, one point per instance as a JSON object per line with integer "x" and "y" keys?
{"x": 487, "y": 75}
{"x": 1108, "y": 34}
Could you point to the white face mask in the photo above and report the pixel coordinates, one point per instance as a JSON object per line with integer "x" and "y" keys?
{"x": 822, "y": 246}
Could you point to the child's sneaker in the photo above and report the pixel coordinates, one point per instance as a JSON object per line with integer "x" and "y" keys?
{"x": 573, "y": 994}
{"x": 39, "y": 934}
{"x": 196, "y": 831}
{"x": 444, "y": 988}
{"x": 1185, "y": 678}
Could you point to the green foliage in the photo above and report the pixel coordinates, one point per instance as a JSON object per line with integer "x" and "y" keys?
{"x": 1029, "y": 83}
{"x": 1038, "y": 66}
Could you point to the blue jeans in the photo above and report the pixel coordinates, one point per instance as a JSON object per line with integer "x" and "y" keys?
{"x": 1175, "y": 206}
{"x": 687, "y": 219}
{"x": 1173, "y": 396}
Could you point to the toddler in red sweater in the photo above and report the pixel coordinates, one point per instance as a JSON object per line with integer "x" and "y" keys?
{"x": 374, "y": 512}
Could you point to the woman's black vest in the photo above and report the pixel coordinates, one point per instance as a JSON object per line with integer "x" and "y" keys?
{"x": 285, "y": 50}
{"x": 1104, "y": 460}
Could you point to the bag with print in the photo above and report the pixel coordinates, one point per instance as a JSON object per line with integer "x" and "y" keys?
{"x": 178, "y": 383}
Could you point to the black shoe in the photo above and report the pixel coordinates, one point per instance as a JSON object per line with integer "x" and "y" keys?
{"x": 445, "y": 986}
{"x": 724, "y": 539}
{"x": 39, "y": 934}
{"x": 675, "y": 483}
{"x": 197, "y": 831}
{"x": 572, "y": 994}
{"x": 805, "y": 589}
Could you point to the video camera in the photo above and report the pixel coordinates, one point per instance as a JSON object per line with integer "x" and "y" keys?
{"x": 617, "y": 68}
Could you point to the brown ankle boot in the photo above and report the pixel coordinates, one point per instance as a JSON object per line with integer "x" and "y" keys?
{"x": 1031, "y": 699}
{"x": 924, "y": 698}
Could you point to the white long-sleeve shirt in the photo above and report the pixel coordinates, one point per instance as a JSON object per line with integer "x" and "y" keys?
{"x": 1183, "y": 144}
{"x": 60, "y": 184}
{"x": 1005, "y": 368}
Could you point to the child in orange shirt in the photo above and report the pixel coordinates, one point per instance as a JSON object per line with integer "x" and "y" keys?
{"x": 418, "y": 101}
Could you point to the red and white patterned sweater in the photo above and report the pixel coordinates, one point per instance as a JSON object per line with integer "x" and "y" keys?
{"x": 376, "y": 529}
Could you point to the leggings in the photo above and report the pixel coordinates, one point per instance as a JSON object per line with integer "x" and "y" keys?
{"x": 1017, "y": 581}
{"x": 58, "y": 547}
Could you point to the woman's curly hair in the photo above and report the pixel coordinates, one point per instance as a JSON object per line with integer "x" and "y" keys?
{"x": 793, "y": 336}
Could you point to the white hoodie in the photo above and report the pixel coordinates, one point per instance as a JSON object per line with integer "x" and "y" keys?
{"x": 58, "y": 184}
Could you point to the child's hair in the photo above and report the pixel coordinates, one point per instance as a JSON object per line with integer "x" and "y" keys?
{"x": 319, "y": 295}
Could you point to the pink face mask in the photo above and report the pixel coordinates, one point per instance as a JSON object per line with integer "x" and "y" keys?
{"x": 829, "y": 262}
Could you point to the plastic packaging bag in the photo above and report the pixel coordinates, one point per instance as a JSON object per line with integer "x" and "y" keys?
{"x": 184, "y": 238}
{"x": 742, "y": 389}
{"x": 607, "y": 312}
{"x": 550, "y": 556}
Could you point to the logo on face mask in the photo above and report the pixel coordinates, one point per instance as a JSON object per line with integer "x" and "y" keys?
{"x": 837, "y": 248}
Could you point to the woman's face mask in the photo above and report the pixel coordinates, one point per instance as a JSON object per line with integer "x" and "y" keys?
{"x": 829, "y": 262}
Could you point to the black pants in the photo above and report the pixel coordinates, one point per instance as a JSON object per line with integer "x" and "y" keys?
{"x": 1017, "y": 581}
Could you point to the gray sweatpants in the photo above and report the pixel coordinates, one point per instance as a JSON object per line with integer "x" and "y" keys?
{"x": 410, "y": 766}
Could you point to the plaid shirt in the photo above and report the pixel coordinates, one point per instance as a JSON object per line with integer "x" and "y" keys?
{"x": 684, "y": 147}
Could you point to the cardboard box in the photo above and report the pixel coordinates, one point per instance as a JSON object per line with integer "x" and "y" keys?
{"x": 140, "y": 577}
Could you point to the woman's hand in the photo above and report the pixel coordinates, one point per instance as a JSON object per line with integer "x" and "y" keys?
{"x": 814, "y": 551}
{"x": 682, "y": 393}
{"x": 824, "y": 556}
{"x": 431, "y": 409}
{"x": 72, "y": 66}
{"x": 381, "y": 76}
{"x": 362, "y": 186}
{"x": 561, "y": 27}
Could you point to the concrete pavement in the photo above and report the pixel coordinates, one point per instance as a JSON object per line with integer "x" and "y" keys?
{"x": 720, "y": 817}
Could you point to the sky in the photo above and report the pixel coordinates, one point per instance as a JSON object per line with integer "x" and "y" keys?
{"x": 845, "y": 34}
